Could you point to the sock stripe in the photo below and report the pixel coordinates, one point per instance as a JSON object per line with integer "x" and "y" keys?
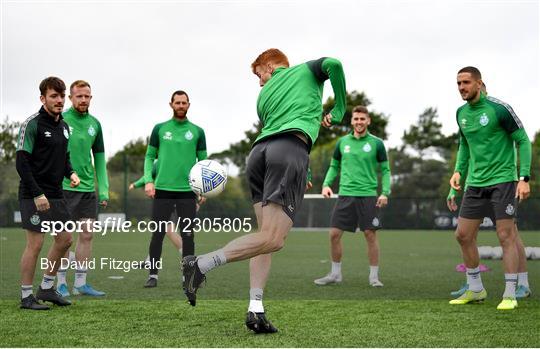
{"x": 78, "y": 271}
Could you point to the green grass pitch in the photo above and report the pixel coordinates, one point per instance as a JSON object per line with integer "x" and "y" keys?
{"x": 411, "y": 310}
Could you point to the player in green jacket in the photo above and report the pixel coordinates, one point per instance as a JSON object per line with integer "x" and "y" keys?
{"x": 523, "y": 289}
{"x": 489, "y": 130}
{"x": 360, "y": 156}
{"x": 85, "y": 145}
{"x": 290, "y": 109}
{"x": 179, "y": 143}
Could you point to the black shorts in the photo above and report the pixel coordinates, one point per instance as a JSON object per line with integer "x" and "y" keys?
{"x": 184, "y": 204}
{"x": 34, "y": 221}
{"x": 81, "y": 204}
{"x": 277, "y": 172}
{"x": 351, "y": 212}
{"x": 497, "y": 200}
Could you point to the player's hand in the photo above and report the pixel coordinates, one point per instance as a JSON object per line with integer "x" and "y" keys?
{"x": 327, "y": 192}
{"x": 103, "y": 203}
{"x": 201, "y": 200}
{"x": 382, "y": 201}
{"x": 523, "y": 190}
{"x": 75, "y": 181}
{"x": 451, "y": 203}
{"x": 454, "y": 181}
{"x": 131, "y": 186}
{"x": 41, "y": 202}
{"x": 309, "y": 185}
{"x": 150, "y": 190}
{"x": 327, "y": 120}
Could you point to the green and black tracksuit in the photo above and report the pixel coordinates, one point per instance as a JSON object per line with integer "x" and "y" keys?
{"x": 42, "y": 162}
{"x": 179, "y": 144}
{"x": 489, "y": 131}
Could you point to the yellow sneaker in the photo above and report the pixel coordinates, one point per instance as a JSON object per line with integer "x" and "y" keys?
{"x": 507, "y": 304}
{"x": 470, "y": 297}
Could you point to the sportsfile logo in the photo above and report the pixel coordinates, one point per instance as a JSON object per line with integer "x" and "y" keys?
{"x": 114, "y": 224}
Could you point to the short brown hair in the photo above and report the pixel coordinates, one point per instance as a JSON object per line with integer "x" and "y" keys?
{"x": 272, "y": 55}
{"x": 79, "y": 83}
{"x": 360, "y": 109}
{"x": 52, "y": 83}
{"x": 179, "y": 93}
{"x": 473, "y": 71}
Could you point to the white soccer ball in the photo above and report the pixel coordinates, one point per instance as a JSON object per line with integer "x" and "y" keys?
{"x": 497, "y": 252}
{"x": 485, "y": 252}
{"x": 207, "y": 178}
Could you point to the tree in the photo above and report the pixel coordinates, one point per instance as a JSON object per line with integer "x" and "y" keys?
{"x": 426, "y": 134}
{"x": 135, "y": 152}
{"x": 8, "y": 140}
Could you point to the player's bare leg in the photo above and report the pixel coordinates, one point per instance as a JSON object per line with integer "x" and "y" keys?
{"x": 523, "y": 290}
{"x": 336, "y": 251}
{"x": 373, "y": 257}
{"x": 506, "y": 233}
{"x": 466, "y": 234}
{"x": 83, "y": 251}
{"x": 270, "y": 238}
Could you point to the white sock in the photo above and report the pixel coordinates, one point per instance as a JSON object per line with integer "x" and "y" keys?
{"x": 336, "y": 268}
{"x": 180, "y": 250}
{"x": 153, "y": 276}
{"x": 209, "y": 261}
{"x": 255, "y": 300}
{"x": 474, "y": 280}
{"x": 523, "y": 279}
{"x": 26, "y": 290}
{"x": 48, "y": 282}
{"x": 374, "y": 272}
{"x": 510, "y": 285}
{"x": 80, "y": 277}
{"x": 61, "y": 277}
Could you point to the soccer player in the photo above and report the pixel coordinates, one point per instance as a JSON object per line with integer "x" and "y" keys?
{"x": 359, "y": 155}
{"x": 491, "y": 183}
{"x": 42, "y": 162}
{"x": 86, "y": 142}
{"x": 179, "y": 143}
{"x": 289, "y": 107}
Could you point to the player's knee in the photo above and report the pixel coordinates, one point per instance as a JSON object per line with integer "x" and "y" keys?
{"x": 463, "y": 237}
{"x": 274, "y": 244}
{"x": 506, "y": 236}
{"x": 64, "y": 240}
{"x": 335, "y": 237}
{"x": 35, "y": 247}
{"x": 371, "y": 236}
{"x": 85, "y": 237}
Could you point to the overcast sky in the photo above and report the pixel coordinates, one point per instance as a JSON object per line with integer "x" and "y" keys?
{"x": 403, "y": 54}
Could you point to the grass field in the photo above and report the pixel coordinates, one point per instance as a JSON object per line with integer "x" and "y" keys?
{"x": 411, "y": 310}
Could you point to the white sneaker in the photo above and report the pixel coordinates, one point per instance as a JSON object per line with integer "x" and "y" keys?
{"x": 329, "y": 279}
{"x": 375, "y": 283}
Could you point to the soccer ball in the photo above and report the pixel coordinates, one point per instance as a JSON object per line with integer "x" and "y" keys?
{"x": 207, "y": 178}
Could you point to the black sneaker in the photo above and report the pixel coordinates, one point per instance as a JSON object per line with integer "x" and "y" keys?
{"x": 258, "y": 323}
{"x": 31, "y": 302}
{"x": 51, "y": 295}
{"x": 151, "y": 282}
{"x": 193, "y": 278}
